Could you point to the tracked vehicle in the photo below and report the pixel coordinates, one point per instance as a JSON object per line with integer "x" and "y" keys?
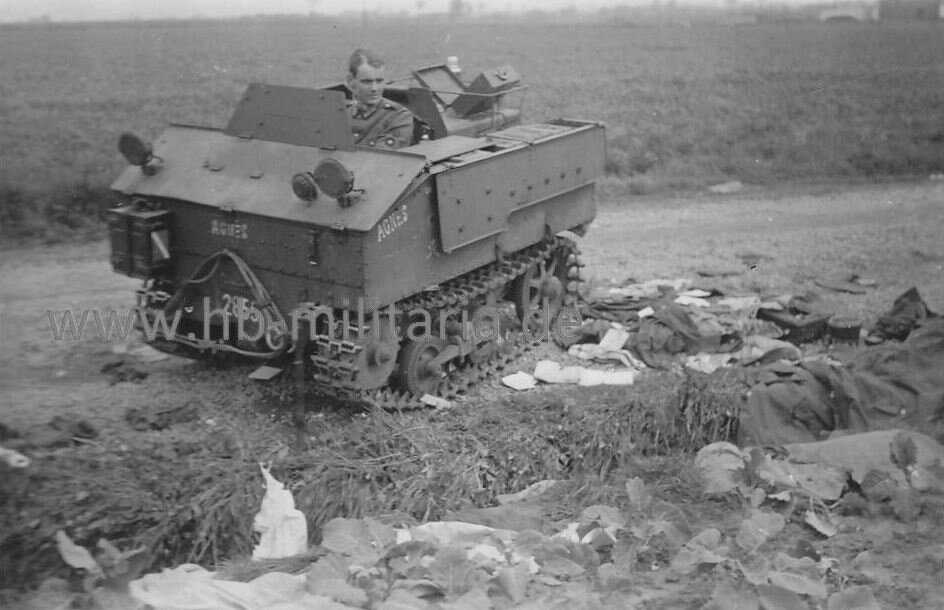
{"x": 276, "y": 238}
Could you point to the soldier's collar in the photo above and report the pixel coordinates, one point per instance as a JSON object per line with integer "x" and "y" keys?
{"x": 365, "y": 109}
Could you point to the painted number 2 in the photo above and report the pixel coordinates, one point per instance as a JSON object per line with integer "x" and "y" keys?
{"x": 236, "y": 305}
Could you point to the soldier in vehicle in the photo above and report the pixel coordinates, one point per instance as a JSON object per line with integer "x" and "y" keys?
{"x": 376, "y": 121}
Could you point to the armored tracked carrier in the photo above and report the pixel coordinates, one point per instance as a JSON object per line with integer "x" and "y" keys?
{"x": 378, "y": 276}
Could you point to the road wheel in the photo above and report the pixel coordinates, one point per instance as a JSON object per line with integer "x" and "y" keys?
{"x": 415, "y": 373}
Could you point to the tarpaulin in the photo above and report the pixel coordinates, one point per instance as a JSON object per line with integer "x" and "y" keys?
{"x": 893, "y": 385}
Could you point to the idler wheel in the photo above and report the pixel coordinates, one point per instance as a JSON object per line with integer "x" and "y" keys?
{"x": 416, "y": 372}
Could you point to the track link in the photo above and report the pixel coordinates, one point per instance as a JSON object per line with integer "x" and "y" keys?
{"x": 335, "y": 371}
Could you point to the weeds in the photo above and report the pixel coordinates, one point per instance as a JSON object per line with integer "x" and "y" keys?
{"x": 53, "y": 213}
{"x": 190, "y": 494}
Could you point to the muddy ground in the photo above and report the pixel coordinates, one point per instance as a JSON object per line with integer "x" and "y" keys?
{"x": 770, "y": 242}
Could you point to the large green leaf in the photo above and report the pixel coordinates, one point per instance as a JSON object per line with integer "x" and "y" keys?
{"x": 757, "y": 528}
{"x": 702, "y": 550}
{"x": 727, "y": 597}
{"x": 853, "y": 598}
{"x": 513, "y": 581}
{"x": 364, "y": 541}
{"x": 451, "y": 570}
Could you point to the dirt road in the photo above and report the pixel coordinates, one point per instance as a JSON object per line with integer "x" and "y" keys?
{"x": 771, "y": 242}
{"x": 783, "y": 241}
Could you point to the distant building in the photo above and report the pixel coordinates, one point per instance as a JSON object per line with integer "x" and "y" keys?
{"x": 906, "y": 10}
{"x": 849, "y": 12}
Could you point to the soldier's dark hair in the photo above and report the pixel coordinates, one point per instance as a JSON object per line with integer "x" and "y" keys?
{"x": 361, "y": 57}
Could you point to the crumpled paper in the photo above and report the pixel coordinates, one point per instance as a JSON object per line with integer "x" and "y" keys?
{"x": 519, "y": 381}
{"x": 487, "y": 549}
{"x": 649, "y": 289}
{"x": 590, "y": 377}
{"x": 190, "y": 587}
{"x": 283, "y": 528}
{"x": 549, "y": 371}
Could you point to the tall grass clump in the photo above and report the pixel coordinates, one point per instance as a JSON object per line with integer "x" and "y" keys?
{"x": 53, "y": 213}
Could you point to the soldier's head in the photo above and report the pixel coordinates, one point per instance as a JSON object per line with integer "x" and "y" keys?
{"x": 365, "y": 76}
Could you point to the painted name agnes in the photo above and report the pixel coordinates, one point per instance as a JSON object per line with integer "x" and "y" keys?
{"x": 222, "y": 228}
{"x": 391, "y": 223}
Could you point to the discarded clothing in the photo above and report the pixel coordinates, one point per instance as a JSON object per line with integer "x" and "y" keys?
{"x": 858, "y": 454}
{"x": 757, "y": 349}
{"x": 764, "y": 350}
{"x": 899, "y": 385}
{"x": 691, "y": 301}
{"x": 745, "y": 303}
{"x": 675, "y": 330}
{"x": 589, "y": 351}
{"x": 708, "y": 363}
{"x": 908, "y": 310}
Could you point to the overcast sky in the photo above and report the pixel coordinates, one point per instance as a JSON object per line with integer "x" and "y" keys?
{"x": 76, "y": 10}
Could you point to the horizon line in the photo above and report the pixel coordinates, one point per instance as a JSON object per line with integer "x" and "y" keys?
{"x": 721, "y": 6}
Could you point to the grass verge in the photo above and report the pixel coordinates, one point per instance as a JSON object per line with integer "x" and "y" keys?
{"x": 190, "y": 493}
{"x": 63, "y": 212}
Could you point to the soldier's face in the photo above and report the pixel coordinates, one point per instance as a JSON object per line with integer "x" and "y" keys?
{"x": 368, "y": 84}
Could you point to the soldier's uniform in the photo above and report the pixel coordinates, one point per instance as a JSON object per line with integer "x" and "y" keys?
{"x": 386, "y": 125}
